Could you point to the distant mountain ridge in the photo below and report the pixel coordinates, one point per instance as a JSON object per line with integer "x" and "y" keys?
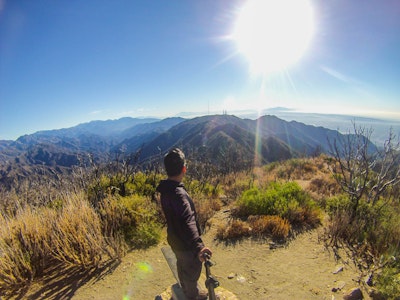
{"x": 269, "y": 138}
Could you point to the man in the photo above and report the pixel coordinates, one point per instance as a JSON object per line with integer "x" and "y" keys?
{"x": 183, "y": 230}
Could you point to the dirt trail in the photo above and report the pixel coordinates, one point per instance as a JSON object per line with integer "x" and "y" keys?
{"x": 302, "y": 270}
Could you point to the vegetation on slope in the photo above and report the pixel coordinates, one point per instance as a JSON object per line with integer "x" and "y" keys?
{"x": 98, "y": 213}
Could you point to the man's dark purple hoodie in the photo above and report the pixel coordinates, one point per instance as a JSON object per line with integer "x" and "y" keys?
{"x": 183, "y": 228}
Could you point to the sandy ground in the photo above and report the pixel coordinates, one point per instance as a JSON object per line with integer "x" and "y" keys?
{"x": 304, "y": 269}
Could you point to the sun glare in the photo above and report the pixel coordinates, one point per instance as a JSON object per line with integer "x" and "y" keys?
{"x": 272, "y": 34}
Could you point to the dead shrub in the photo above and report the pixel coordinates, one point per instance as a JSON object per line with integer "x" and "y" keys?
{"x": 338, "y": 229}
{"x": 235, "y": 185}
{"x": 325, "y": 186}
{"x": 273, "y": 226}
{"x": 234, "y": 230}
{"x": 308, "y": 217}
{"x": 206, "y": 208}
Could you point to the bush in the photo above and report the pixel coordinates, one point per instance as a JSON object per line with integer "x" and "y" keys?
{"x": 145, "y": 234}
{"x": 337, "y": 204}
{"x": 35, "y": 239}
{"x": 206, "y": 208}
{"x": 143, "y": 184}
{"x": 325, "y": 185}
{"x": 135, "y": 218}
{"x": 273, "y": 226}
{"x": 373, "y": 234}
{"x": 77, "y": 239}
{"x": 195, "y": 187}
{"x": 235, "y": 185}
{"x": 388, "y": 283}
{"x": 72, "y": 234}
{"x": 256, "y": 226}
{"x": 286, "y": 200}
{"x": 235, "y": 230}
{"x": 304, "y": 216}
{"x": 24, "y": 242}
{"x": 378, "y": 225}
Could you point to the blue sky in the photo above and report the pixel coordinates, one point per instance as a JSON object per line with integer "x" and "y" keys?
{"x": 67, "y": 62}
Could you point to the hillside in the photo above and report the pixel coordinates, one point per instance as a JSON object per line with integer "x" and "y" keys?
{"x": 220, "y": 136}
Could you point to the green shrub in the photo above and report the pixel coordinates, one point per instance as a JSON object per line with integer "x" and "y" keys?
{"x": 337, "y": 204}
{"x": 377, "y": 225}
{"x": 98, "y": 189}
{"x": 145, "y": 234}
{"x": 278, "y": 199}
{"x": 143, "y": 184}
{"x": 139, "y": 222}
{"x": 388, "y": 283}
{"x": 252, "y": 203}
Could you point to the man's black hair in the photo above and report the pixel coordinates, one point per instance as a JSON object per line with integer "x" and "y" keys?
{"x": 174, "y": 161}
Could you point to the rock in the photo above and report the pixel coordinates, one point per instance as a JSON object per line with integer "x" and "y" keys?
{"x": 231, "y": 275}
{"x": 241, "y": 279}
{"x": 354, "y": 294}
{"x": 338, "y": 270}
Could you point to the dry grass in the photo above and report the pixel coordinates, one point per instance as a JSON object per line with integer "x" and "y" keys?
{"x": 77, "y": 238}
{"x": 35, "y": 238}
{"x": 111, "y": 219}
{"x": 24, "y": 242}
{"x": 67, "y": 231}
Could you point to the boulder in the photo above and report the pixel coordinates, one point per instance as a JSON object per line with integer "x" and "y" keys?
{"x": 354, "y": 294}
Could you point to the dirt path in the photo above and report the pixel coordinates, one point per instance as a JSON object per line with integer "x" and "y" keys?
{"x": 302, "y": 270}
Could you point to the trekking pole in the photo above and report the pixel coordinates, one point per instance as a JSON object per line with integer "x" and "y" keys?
{"x": 211, "y": 282}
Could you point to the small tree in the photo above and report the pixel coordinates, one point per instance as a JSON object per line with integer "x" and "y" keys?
{"x": 361, "y": 169}
{"x": 368, "y": 219}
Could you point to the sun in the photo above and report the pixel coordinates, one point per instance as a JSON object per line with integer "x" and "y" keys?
{"x": 273, "y": 34}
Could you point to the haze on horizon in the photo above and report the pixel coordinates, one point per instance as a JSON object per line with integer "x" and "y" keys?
{"x": 65, "y": 63}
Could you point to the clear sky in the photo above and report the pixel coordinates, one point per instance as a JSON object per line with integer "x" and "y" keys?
{"x": 67, "y": 62}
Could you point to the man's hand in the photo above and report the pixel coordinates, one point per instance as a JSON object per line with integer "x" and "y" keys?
{"x": 204, "y": 252}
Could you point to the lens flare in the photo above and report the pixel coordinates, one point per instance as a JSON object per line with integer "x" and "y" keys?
{"x": 142, "y": 269}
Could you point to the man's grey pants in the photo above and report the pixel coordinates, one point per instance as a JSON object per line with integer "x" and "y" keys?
{"x": 189, "y": 270}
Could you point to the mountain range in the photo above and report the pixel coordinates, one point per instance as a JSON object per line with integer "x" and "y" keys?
{"x": 268, "y": 137}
